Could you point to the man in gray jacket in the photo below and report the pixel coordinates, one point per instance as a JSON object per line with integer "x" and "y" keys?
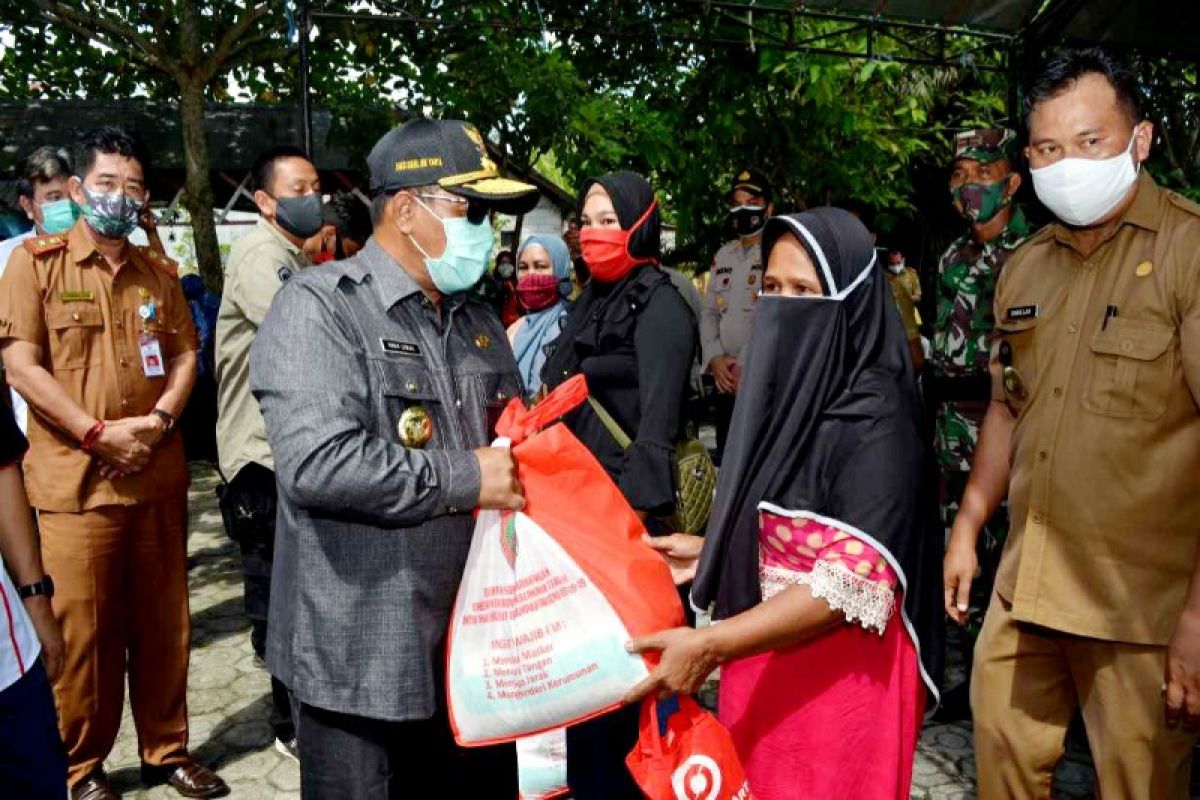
{"x": 380, "y": 379}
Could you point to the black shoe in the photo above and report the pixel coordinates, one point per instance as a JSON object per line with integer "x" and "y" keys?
{"x": 288, "y": 747}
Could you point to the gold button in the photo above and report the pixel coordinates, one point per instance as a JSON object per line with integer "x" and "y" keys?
{"x": 75, "y": 316}
{"x": 124, "y": 402}
{"x": 411, "y": 386}
{"x": 1043, "y": 455}
{"x": 1058, "y": 391}
{"x": 1039, "y": 519}
{"x": 124, "y": 362}
{"x": 1072, "y": 328}
{"x": 1127, "y": 346}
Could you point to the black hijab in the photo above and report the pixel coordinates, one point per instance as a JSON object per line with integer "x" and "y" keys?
{"x": 827, "y": 422}
{"x": 631, "y": 195}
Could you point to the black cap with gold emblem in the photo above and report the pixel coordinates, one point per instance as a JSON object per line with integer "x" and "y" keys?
{"x": 754, "y": 182}
{"x": 447, "y": 153}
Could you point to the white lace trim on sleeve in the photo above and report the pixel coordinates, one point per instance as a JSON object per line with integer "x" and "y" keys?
{"x": 861, "y": 600}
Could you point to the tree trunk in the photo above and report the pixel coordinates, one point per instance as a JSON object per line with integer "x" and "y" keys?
{"x": 198, "y": 193}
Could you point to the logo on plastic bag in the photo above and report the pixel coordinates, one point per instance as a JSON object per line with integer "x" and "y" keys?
{"x": 698, "y": 778}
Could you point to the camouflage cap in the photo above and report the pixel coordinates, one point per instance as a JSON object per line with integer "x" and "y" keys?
{"x": 986, "y": 145}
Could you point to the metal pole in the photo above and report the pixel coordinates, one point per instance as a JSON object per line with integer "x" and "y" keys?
{"x": 305, "y": 25}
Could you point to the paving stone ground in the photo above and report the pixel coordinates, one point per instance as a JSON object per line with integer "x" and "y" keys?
{"x": 229, "y": 697}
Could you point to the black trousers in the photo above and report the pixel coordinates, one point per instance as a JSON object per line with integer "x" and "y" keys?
{"x": 723, "y": 414}
{"x": 596, "y": 752}
{"x": 33, "y": 761}
{"x": 248, "y": 509}
{"x": 346, "y": 757}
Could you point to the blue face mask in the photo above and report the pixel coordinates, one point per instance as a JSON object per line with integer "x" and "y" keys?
{"x": 58, "y": 216}
{"x": 468, "y": 250}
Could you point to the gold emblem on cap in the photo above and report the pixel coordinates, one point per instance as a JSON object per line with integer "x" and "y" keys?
{"x": 1013, "y": 384}
{"x": 483, "y": 341}
{"x": 415, "y": 427}
{"x": 1144, "y": 269}
{"x": 745, "y": 176}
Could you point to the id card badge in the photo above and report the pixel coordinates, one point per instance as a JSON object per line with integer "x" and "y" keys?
{"x": 152, "y": 358}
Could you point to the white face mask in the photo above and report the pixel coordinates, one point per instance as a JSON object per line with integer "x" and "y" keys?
{"x": 896, "y": 269}
{"x": 1080, "y": 191}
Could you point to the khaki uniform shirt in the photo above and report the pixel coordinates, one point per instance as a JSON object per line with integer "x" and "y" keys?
{"x": 1105, "y": 481}
{"x": 735, "y": 280}
{"x": 904, "y": 304}
{"x": 59, "y": 293}
{"x": 258, "y": 265}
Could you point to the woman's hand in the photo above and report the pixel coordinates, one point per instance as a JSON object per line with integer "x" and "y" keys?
{"x": 687, "y": 659}
{"x": 681, "y": 551}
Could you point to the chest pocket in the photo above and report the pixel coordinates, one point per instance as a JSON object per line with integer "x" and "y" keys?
{"x": 497, "y": 390}
{"x": 76, "y": 336}
{"x": 413, "y": 413}
{"x": 1016, "y": 352}
{"x": 1132, "y": 365}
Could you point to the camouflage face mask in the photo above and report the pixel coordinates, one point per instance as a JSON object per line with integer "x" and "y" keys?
{"x": 113, "y": 215}
{"x": 981, "y": 202}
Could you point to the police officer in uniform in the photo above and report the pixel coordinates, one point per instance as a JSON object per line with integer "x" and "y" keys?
{"x": 735, "y": 279}
{"x": 983, "y": 180}
{"x": 1094, "y": 430}
{"x": 380, "y": 379}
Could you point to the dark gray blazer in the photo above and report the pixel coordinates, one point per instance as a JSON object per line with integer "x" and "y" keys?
{"x": 371, "y": 536}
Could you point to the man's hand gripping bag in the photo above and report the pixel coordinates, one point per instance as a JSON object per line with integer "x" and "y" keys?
{"x": 550, "y": 596}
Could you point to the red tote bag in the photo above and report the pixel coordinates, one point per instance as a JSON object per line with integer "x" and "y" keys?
{"x": 695, "y": 760}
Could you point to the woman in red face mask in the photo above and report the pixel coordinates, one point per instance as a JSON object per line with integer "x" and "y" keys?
{"x": 543, "y": 284}
{"x": 633, "y": 336}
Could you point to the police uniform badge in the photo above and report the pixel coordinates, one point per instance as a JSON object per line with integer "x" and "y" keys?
{"x": 415, "y": 427}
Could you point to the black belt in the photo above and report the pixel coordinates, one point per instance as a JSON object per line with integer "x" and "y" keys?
{"x": 966, "y": 388}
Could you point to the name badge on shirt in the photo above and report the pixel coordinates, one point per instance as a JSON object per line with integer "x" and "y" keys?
{"x": 400, "y": 348}
{"x": 1021, "y": 312}
{"x": 76, "y": 297}
{"x": 152, "y": 357}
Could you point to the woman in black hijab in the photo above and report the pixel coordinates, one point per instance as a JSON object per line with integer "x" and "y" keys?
{"x": 822, "y": 554}
{"x": 633, "y": 336}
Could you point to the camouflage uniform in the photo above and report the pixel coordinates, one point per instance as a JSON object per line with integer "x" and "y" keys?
{"x": 967, "y": 274}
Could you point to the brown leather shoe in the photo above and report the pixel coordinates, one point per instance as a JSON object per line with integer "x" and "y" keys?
{"x": 189, "y": 778}
{"x": 94, "y": 787}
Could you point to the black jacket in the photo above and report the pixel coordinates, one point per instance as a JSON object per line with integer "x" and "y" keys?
{"x": 634, "y": 340}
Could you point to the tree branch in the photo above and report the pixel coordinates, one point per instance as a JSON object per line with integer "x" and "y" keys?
{"x": 120, "y": 37}
{"x": 246, "y": 44}
{"x": 231, "y": 41}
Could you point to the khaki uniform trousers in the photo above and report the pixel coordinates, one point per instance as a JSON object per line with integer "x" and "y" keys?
{"x": 120, "y": 577}
{"x": 1028, "y": 682}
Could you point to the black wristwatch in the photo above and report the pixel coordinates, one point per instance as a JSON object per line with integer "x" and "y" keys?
{"x": 44, "y": 586}
{"x": 168, "y": 420}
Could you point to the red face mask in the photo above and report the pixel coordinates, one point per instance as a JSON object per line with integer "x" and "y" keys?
{"x": 606, "y": 250}
{"x": 537, "y": 291}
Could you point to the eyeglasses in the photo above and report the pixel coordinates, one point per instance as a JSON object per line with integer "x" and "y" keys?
{"x": 445, "y": 198}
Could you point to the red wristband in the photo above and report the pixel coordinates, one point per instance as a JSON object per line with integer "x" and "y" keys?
{"x": 92, "y": 435}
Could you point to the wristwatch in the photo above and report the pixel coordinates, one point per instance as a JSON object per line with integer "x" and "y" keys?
{"x": 44, "y": 586}
{"x": 168, "y": 420}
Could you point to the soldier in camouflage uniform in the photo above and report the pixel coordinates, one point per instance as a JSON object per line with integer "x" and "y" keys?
{"x": 983, "y": 180}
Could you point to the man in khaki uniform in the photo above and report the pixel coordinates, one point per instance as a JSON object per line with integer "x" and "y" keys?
{"x": 287, "y": 191}
{"x": 96, "y": 335}
{"x": 734, "y": 282}
{"x": 1096, "y": 385}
